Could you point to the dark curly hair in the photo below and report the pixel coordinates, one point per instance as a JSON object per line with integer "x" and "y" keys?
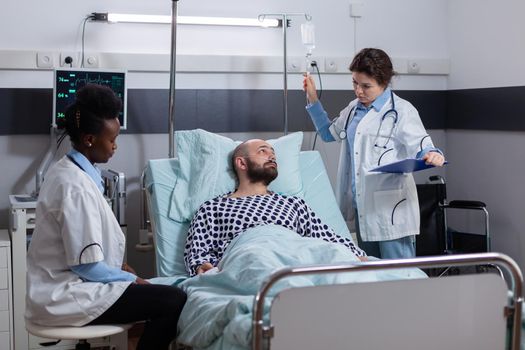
{"x": 93, "y": 105}
{"x": 374, "y": 63}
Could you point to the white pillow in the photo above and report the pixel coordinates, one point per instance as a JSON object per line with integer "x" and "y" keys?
{"x": 206, "y": 171}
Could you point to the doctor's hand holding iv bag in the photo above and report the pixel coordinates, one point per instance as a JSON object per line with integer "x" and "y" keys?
{"x": 76, "y": 275}
{"x": 376, "y": 128}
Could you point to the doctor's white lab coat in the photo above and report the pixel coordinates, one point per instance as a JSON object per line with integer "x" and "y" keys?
{"x": 387, "y": 203}
{"x": 74, "y": 225}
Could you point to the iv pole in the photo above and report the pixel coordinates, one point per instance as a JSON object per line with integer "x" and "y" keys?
{"x": 172, "y": 79}
{"x": 286, "y": 23}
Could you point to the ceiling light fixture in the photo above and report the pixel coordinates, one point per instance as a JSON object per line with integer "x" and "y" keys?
{"x": 198, "y": 20}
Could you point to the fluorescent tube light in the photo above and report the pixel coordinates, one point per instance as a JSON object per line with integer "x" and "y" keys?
{"x": 214, "y": 21}
{"x": 130, "y": 18}
{"x": 228, "y": 21}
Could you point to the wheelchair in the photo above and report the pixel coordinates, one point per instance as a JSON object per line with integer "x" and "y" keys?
{"x": 438, "y": 238}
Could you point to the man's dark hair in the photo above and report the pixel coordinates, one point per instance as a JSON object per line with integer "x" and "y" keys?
{"x": 239, "y": 151}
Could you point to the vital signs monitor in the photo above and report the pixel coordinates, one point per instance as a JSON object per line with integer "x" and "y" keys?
{"x": 68, "y": 81}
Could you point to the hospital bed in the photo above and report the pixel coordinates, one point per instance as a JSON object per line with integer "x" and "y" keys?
{"x": 457, "y": 312}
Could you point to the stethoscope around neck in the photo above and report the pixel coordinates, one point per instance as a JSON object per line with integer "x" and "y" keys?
{"x": 391, "y": 113}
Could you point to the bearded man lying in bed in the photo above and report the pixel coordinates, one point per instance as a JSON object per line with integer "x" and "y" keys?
{"x": 219, "y": 220}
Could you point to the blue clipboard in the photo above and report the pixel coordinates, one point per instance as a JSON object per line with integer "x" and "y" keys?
{"x": 409, "y": 165}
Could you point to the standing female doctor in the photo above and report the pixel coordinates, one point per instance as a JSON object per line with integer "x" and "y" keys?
{"x": 76, "y": 274}
{"x": 376, "y": 128}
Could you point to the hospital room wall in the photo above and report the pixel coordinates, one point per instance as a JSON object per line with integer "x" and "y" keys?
{"x": 21, "y": 153}
{"x": 486, "y": 118}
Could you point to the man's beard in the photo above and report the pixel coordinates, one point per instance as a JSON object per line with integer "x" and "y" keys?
{"x": 260, "y": 173}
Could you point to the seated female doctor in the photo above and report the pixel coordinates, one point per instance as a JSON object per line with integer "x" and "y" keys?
{"x": 375, "y": 129}
{"x": 75, "y": 273}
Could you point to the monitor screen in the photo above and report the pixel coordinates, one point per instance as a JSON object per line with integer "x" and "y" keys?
{"x": 68, "y": 81}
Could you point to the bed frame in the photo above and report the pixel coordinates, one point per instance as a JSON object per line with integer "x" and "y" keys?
{"x": 453, "y": 312}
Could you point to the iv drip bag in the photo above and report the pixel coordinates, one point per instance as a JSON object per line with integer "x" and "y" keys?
{"x": 308, "y": 35}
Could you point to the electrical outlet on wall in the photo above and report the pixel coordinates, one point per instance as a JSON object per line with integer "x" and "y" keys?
{"x": 330, "y": 65}
{"x": 294, "y": 64}
{"x": 414, "y": 66}
{"x": 69, "y": 59}
{"x": 45, "y": 60}
{"x": 91, "y": 60}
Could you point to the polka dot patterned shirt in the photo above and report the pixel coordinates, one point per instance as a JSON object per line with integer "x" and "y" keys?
{"x": 220, "y": 220}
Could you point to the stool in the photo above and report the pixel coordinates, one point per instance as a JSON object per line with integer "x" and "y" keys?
{"x": 74, "y": 333}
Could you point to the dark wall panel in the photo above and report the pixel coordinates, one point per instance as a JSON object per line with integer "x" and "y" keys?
{"x": 431, "y": 105}
{"x": 28, "y": 111}
{"x": 148, "y": 110}
{"x": 253, "y": 110}
{"x": 486, "y": 109}
{"x": 25, "y": 111}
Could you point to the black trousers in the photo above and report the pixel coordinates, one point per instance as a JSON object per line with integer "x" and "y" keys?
{"x": 160, "y": 306}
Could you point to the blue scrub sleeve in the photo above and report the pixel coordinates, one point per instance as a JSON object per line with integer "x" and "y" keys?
{"x": 321, "y": 121}
{"x": 424, "y": 151}
{"x": 101, "y": 272}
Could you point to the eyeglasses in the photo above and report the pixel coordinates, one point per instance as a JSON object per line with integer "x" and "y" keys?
{"x": 364, "y": 86}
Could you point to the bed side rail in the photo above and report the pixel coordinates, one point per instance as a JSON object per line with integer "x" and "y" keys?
{"x": 501, "y": 260}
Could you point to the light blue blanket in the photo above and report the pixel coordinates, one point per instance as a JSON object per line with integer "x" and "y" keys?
{"x": 218, "y": 312}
